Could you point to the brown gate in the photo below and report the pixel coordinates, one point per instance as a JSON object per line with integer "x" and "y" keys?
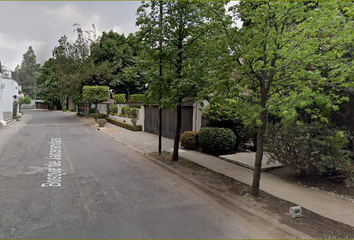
{"x": 169, "y": 120}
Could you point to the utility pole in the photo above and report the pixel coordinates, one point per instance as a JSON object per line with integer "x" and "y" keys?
{"x": 160, "y": 68}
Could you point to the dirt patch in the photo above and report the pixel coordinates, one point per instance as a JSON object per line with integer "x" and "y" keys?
{"x": 311, "y": 224}
{"x": 109, "y": 130}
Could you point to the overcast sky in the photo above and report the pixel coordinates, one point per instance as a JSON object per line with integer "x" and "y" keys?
{"x": 41, "y": 24}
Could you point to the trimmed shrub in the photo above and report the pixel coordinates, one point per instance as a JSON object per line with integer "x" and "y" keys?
{"x": 129, "y": 112}
{"x": 100, "y": 115}
{"x": 115, "y": 109}
{"x": 123, "y": 111}
{"x": 125, "y": 125}
{"x": 217, "y": 141}
{"x": 234, "y": 115}
{"x": 102, "y": 122}
{"x": 189, "y": 140}
{"x": 135, "y": 113}
{"x": 136, "y": 98}
{"x": 120, "y": 98}
{"x": 134, "y": 121}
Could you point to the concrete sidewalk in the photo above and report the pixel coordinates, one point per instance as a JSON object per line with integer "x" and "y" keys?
{"x": 321, "y": 203}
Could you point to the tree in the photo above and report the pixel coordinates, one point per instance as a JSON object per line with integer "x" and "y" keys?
{"x": 110, "y": 59}
{"x": 5, "y": 72}
{"x": 47, "y": 84}
{"x": 96, "y": 95}
{"x": 181, "y": 45}
{"x": 70, "y": 63}
{"x": 25, "y": 100}
{"x": 288, "y": 57}
{"x": 28, "y": 72}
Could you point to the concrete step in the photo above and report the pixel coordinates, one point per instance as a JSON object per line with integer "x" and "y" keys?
{"x": 246, "y": 159}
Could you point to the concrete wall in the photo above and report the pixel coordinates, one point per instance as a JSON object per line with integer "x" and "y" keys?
{"x": 141, "y": 114}
{"x": 10, "y": 90}
{"x": 197, "y": 115}
{"x": 2, "y": 122}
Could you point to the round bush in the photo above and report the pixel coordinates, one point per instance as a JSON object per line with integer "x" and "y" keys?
{"x": 217, "y": 140}
{"x": 189, "y": 140}
{"x": 102, "y": 122}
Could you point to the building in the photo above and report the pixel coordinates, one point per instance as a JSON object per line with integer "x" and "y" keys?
{"x": 10, "y": 98}
{"x": 2, "y": 86}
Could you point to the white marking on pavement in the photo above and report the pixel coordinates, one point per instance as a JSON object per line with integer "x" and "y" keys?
{"x": 54, "y": 167}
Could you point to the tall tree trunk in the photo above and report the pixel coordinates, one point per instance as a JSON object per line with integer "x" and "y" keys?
{"x": 260, "y": 137}
{"x": 259, "y": 152}
{"x": 178, "y": 132}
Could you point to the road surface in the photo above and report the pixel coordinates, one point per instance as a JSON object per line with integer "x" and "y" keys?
{"x": 61, "y": 178}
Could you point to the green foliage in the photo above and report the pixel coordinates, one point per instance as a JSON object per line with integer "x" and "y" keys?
{"x": 25, "y": 100}
{"x": 98, "y": 115}
{"x": 113, "y": 55}
{"x": 125, "y": 125}
{"x": 288, "y": 56}
{"x": 15, "y": 108}
{"x": 123, "y": 111}
{"x": 102, "y": 122}
{"x": 189, "y": 140}
{"x": 136, "y": 98}
{"x": 134, "y": 113}
{"x": 114, "y": 109}
{"x": 309, "y": 149}
{"x": 129, "y": 112}
{"x": 120, "y": 98}
{"x": 177, "y": 53}
{"x": 16, "y": 117}
{"x": 135, "y": 106}
{"x": 47, "y": 85}
{"x": 232, "y": 114}
{"x": 27, "y": 72}
{"x": 217, "y": 140}
{"x": 134, "y": 121}
{"x": 95, "y": 94}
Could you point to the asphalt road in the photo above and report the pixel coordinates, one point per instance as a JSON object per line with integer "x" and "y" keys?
{"x": 106, "y": 189}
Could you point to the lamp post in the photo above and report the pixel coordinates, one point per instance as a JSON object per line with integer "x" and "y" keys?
{"x": 159, "y": 124}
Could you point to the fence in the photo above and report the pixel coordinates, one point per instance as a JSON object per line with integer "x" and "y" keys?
{"x": 169, "y": 120}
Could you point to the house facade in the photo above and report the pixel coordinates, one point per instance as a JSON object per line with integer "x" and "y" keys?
{"x": 9, "y": 97}
{"x": 2, "y": 86}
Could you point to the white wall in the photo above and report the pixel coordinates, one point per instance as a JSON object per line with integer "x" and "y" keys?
{"x": 197, "y": 115}
{"x": 141, "y": 115}
{"x": 2, "y": 122}
{"x": 11, "y": 89}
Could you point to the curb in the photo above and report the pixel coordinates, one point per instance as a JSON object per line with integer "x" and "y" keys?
{"x": 233, "y": 201}
{"x": 219, "y": 195}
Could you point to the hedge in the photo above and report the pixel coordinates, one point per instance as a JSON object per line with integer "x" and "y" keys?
{"x": 217, "y": 141}
{"x": 189, "y": 140}
{"x": 115, "y": 109}
{"x": 136, "y": 98}
{"x": 120, "y": 98}
{"x": 100, "y": 115}
{"x": 125, "y": 125}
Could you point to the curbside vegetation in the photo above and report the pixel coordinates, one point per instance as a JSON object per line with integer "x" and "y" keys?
{"x": 125, "y": 125}
{"x": 189, "y": 140}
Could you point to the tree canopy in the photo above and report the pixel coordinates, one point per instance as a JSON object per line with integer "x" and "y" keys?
{"x": 177, "y": 38}
{"x": 288, "y": 60}
{"x": 27, "y": 72}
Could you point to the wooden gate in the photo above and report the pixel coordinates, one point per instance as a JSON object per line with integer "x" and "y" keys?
{"x": 169, "y": 120}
